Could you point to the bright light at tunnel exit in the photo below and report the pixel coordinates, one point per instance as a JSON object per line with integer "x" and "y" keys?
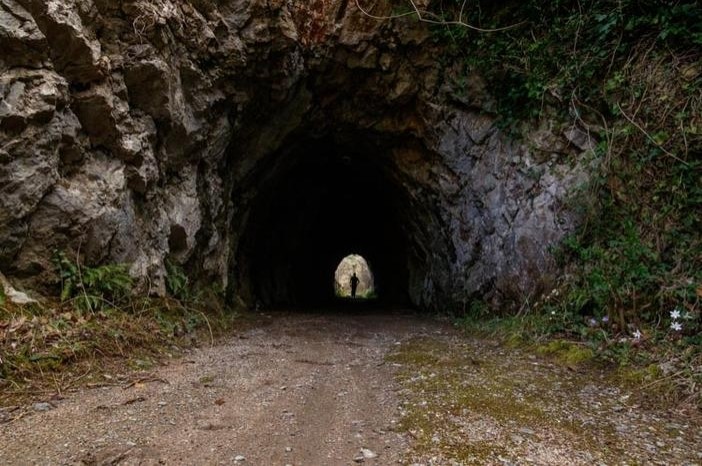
{"x": 343, "y": 278}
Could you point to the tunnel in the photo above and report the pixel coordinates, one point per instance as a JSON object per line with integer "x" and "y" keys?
{"x": 261, "y": 144}
{"x": 317, "y": 201}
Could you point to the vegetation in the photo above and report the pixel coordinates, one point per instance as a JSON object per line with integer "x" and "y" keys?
{"x": 92, "y": 288}
{"x": 97, "y": 327}
{"x": 666, "y": 362}
{"x": 629, "y": 74}
{"x": 458, "y": 395}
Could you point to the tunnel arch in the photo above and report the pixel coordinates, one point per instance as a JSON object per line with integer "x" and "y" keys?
{"x": 315, "y": 200}
{"x": 186, "y": 172}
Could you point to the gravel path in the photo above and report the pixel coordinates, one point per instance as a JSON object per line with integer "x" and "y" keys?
{"x": 344, "y": 389}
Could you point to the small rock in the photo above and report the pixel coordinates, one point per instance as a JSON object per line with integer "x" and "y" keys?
{"x": 239, "y": 458}
{"x": 359, "y": 459}
{"x": 288, "y": 449}
{"x": 368, "y": 454}
{"x": 42, "y": 407}
{"x": 162, "y": 403}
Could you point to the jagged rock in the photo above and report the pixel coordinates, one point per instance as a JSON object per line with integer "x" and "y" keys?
{"x": 149, "y": 87}
{"x": 23, "y": 44}
{"x": 139, "y": 131}
{"x": 581, "y": 139}
{"x": 29, "y": 97}
{"x": 17, "y": 297}
{"x": 74, "y": 53}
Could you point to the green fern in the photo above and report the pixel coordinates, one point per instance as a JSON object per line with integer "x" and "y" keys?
{"x": 92, "y": 287}
{"x": 177, "y": 283}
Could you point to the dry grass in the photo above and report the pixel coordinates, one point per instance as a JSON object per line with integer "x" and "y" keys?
{"x": 47, "y": 350}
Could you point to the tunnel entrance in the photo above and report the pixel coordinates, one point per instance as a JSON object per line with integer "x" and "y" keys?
{"x": 310, "y": 206}
{"x": 353, "y": 279}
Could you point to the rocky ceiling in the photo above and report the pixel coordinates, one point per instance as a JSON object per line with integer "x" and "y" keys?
{"x": 258, "y": 142}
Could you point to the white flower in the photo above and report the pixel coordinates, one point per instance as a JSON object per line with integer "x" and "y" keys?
{"x": 677, "y": 326}
{"x": 675, "y": 314}
{"x": 637, "y": 335}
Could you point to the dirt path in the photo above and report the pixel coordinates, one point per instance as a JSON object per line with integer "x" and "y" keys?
{"x": 306, "y": 389}
{"x": 317, "y": 389}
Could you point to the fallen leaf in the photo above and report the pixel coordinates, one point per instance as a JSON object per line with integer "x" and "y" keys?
{"x": 219, "y": 401}
{"x": 16, "y": 324}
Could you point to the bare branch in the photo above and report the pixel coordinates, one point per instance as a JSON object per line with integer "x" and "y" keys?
{"x": 426, "y": 17}
{"x": 650, "y": 138}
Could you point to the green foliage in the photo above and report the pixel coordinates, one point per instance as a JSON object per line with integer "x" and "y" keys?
{"x": 563, "y": 48}
{"x": 93, "y": 288}
{"x": 630, "y": 72}
{"x": 177, "y": 282}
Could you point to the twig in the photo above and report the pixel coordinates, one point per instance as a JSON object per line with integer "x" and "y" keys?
{"x": 657, "y": 381}
{"x": 420, "y": 16}
{"x": 207, "y": 321}
{"x": 460, "y": 14}
{"x": 80, "y": 276}
{"x": 650, "y": 138}
{"x": 209, "y": 327}
{"x": 145, "y": 380}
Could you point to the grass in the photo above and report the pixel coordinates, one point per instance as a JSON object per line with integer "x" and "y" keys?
{"x": 54, "y": 347}
{"x": 458, "y": 397}
{"x": 665, "y": 367}
{"x": 628, "y": 74}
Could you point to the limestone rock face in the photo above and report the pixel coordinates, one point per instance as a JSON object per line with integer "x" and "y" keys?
{"x": 137, "y": 131}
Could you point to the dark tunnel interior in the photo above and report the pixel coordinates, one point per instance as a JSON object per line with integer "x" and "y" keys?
{"x": 317, "y": 204}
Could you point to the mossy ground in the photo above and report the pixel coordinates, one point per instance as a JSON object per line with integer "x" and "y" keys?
{"x": 474, "y": 401}
{"x": 567, "y": 352}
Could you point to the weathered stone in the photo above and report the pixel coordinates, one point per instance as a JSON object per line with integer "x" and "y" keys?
{"x": 138, "y": 131}
{"x": 149, "y": 87}
{"x": 20, "y": 298}
{"x": 29, "y": 97}
{"x": 21, "y": 41}
{"x": 74, "y": 53}
{"x": 581, "y": 139}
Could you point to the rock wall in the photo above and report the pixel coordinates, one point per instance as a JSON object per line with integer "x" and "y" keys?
{"x": 139, "y": 130}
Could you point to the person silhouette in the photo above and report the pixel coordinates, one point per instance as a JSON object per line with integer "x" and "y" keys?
{"x": 354, "y": 284}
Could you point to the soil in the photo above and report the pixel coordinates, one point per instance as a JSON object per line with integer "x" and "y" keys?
{"x": 352, "y": 388}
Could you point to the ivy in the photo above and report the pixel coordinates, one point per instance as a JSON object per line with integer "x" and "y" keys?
{"x": 631, "y": 72}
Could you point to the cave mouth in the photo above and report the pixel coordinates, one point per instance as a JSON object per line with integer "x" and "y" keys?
{"x": 354, "y": 268}
{"x": 311, "y": 204}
